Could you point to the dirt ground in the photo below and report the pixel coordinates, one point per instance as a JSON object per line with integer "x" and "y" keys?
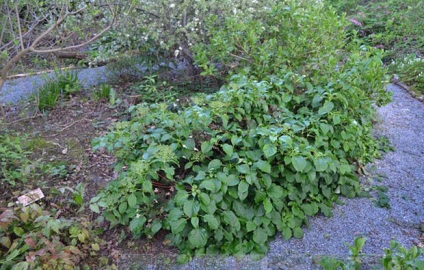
{"x": 59, "y": 144}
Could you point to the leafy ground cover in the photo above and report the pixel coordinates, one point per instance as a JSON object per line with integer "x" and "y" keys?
{"x": 287, "y": 133}
{"x": 224, "y": 172}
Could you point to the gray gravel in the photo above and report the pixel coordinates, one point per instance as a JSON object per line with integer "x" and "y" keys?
{"x": 16, "y": 90}
{"x": 402, "y": 171}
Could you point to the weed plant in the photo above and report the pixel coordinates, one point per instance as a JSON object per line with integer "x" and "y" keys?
{"x": 63, "y": 84}
{"x": 15, "y": 166}
{"x": 395, "y": 258}
{"x": 102, "y": 92}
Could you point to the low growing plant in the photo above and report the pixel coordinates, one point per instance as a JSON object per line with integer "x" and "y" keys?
{"x": 395, "y": 258}
{"x": 411, "y": 72}
{"x": 64, "y": 83}
{"x": 67, "y": 81}
{"x": 48, "y": 95}
{"x": 275, "y": 145}
{"x": 102, "y": 92}
{"x": 15, "y": 166}
{"x": 32, "y": 238}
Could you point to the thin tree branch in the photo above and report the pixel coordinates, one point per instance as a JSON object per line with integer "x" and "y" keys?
{"x": 21, "y": 41}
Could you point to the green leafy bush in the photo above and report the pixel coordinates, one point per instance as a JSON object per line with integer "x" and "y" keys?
{"x": 275, "y": 145}
{"x": 14, "y": 163}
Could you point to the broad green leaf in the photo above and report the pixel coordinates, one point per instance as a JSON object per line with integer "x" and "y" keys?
{"x": 132, "y": 200}
{"x": 147, "y": 186}
{"x": 328, "y": 106}
{"x": 137, "y": 224}
{"x": 267, "y": 205}
{"x": 195, "y": 222}
{"x": 21, "y": 266}
{"x": 260, "y": 236}
{"x": 321, "y": 164}
{"x": 204, "y": 198}
{"x": 232, "y": 180}
{"x": 264, "y": 166}
{"x": 123, "y": 207}
{"x": 174, "y": 214}
{"x": 178, "y": 226}
{"x": 298, "y": 232}
{"x": 243, "y": 168}
{"x": 190, "y": 144}
{"x": 336, "y": 119}
{"x": 269, "y": 150}
{"x": 214, "y": 164}
{"x": 12, "y": 255}
{"x": 287, "y": 233}
{"x": 286, "y": 140}
{"x": 243, "y": 189}
{"x": 156, "y": 226}
{"x": 208, "y": 185}
{"x": 18, "y": 231}
{"x": 235, "y": 140}
{"x": 230, "y": 218}
{"x": 345, "y": 168}
{"x": 200, "y": 176}
{"x": 95, "y": 208}
{"x": 310, "y": 209}
{"x": 325, "y": 128}
{"x": 198, "y": 237}
{"x": 188, "y": 208}
{"x": 299, "y": 163}
{"x": 243, "y": 186}
{"x": 250, "y": 226}
{"x": 206, "y": 147}
{"x": 212, "y": 221}
{"x": 275, "y": 191}
{"x": 228, "y": 149}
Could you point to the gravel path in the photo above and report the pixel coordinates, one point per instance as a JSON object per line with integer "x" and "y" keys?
{"x": 402, "y": 171}
{"x": 20, "y": 89}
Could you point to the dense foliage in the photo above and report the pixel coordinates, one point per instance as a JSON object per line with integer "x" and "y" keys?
{"x": 278, "y": 143}
{"x": 164, "y": 28}
{"x": 397, "y": 27}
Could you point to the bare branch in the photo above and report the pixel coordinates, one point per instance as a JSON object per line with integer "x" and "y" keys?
{"x": 50, "y": 29}
{"x": 72, "y": 47}
{"x": 21, "y": 41}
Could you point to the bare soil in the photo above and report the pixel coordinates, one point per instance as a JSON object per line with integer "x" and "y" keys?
{"x": 61, "y": 138}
